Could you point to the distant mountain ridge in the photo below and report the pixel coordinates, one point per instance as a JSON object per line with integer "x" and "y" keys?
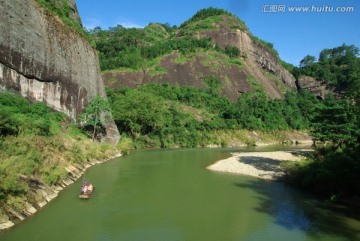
{"x": 213, "y": 43}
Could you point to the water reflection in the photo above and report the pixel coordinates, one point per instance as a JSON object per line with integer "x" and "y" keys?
{"x": 167, "y": 195}
{"x": 291, "y": 210}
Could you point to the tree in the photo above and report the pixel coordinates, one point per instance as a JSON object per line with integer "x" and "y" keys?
{"x": 339, "y": 67}
{"x": 96, "y": 113}
{"x": 307, "y": 60}
{"x": 232, "y": 51}
{"x": 336, "y": 122}
{"x": 213, "y": 84}
{"x": 139, "y": 113}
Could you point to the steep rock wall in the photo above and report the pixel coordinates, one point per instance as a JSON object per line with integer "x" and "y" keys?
{"x": 46, "y": 60}
{"x": 319, "y": 88}
{"x": 259, "y": 59}
{"x": 189, "y": 73}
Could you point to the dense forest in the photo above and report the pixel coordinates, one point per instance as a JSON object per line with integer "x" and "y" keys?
{"x": 334, "y": 169}
{"x": 338, "y": 67}
{"x": 162, "y": 115}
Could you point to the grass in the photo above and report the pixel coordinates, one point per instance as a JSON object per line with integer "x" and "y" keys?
{"x": 157, "y": 70}
{"x": 277, "y": 81}
{"x": 64, "y": 13}
{"x": 212, "y": 59}
{"x": 200, "y": 25}
{"x": 234, "y": 61}
{"x": 210, "y": 23}
{"x": 214, "y": 13}
{"x": 257, "y": 87}
{"x": 216, "y": 59}
{"x": 266, "y": 45}
{"x": 181, "y": 58}
{"x": 155, "y": 32}
{"x": 242, "y": 137}
{"x": 38, "y": 144}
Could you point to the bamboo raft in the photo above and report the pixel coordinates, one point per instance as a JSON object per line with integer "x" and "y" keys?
{"x": 86, "y": 191}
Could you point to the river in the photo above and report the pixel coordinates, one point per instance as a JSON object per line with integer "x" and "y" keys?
{"x": 168, "y": 195}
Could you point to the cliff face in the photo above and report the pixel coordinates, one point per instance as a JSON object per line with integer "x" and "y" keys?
{"x": 259, "y": 67}
{"x": 319, "y": 88}
{"x": 46, "y": 60}
{"x": 189, "y": 73}
{"x": 259, "y": 61}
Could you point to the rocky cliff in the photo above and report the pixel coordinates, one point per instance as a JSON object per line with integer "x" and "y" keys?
{"x": 45, "y": 59}
{"x": 260, "y": 61}
{"x": 319, "y": 88}
{"x": 257, "y": 68}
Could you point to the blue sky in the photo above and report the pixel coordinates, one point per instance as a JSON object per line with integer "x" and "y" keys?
{"x": 294, "y": 34}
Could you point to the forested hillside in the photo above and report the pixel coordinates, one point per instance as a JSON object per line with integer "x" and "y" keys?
{"x": 338, "y": 67}
{"x": 188, "y": 113}
{"x": 334, "y": 170}
{"x": 213, "y": 43}
{"x": 139, "y": 48}
{"x": 161, "y": 115}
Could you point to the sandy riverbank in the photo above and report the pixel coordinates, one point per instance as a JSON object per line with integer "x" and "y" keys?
{"x": 265, "y": 165}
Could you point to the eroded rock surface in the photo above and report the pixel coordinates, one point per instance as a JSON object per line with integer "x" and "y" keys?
{"x": 47, "y": 60}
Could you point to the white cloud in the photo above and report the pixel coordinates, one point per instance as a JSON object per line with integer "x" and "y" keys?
{"x": 127, "y": 23}
{"x": 90, "y": 23}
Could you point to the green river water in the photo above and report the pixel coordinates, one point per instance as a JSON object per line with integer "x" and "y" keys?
{"x": 168, "y": 195}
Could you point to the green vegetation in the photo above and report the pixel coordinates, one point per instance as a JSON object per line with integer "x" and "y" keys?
{"x": 20, "y": 118}
{"x": 211, "y": 12}
{"x": 287, "y": 66}
{"x": 36, "y": 146}
{"x": 95, "y": 114}
{"x": 137, "y": 48}
{"x": 267, "y": 45}
{"x": 198, "y": 26}
{"x": 143, "y": 48}
{"x": 162, "y": 115}
{"x": 334, "y": 170}
{"x": 339, "y": 67}
{"x": 232, "y": 51}
{"x": 62, "y": 9}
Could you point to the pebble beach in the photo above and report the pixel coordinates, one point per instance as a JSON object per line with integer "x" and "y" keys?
{"x": 265, "y": 165}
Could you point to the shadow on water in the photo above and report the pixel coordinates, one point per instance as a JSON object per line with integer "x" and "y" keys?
{"x": 291, "y": 210}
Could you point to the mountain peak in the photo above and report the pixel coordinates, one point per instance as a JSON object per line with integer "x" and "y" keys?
{"x": 211, "y": 19}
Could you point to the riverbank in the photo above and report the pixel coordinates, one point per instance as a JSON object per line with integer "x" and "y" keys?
{"x": 46, "y": 193}
{"x": 264, "y": 165}
{"x": 237, "y": 138}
